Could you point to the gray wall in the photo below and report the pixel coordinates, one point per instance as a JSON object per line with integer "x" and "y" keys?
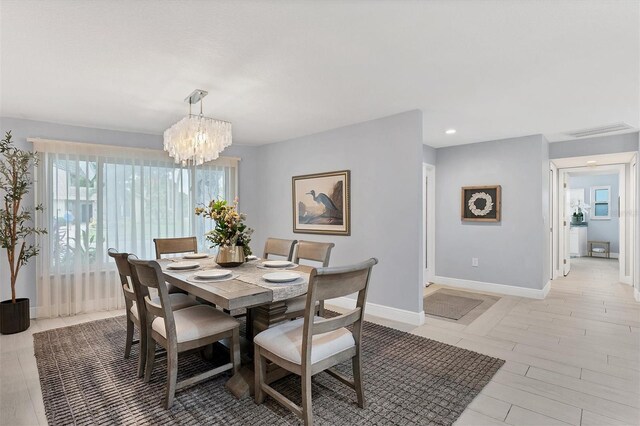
{"x": 385, "y": 159}
{"x": 514, "y": 251}
{"x": 429, "y": 154}
{"x": 636, "y": 214}
{"x": 600, "y": 230}
{"x": 23, "y": 129}
{"x": 627, "y": 142}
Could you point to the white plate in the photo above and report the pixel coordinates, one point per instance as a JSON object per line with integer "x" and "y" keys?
{"x": 183, "y": 265}
{"x": 281, "y": 277}
{"x": 276, "y": 263}
{"x": 212, "y": 274}
{"x": 195, "y": 256}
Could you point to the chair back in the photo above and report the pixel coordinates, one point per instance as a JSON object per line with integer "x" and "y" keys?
{"x": 148, "y": 274}
{"x": 329, "y": 283}
{"x": 279, "y": 247}
{"x": 126, "y": 280}
{"x": 175, "y": 245}
{"x": 314, "y": 251}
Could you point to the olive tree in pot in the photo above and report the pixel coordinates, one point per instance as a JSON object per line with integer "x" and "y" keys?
{"x": 16, "y": 227}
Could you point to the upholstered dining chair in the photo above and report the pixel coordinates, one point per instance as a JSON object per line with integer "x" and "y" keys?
{"x": 182, "y": 330}
{"x": 315, "y": 252}
{"x": 278, "y": 247}
{"x": 166, "y": 246}
{"x": 136, "y": 317}
{"x": 312, "y": 344}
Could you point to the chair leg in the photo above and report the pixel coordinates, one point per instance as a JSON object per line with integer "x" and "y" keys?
{"x": 143, "y": 353}
{"x": 129, "y": 342}
{"x": 321, "y": 308}
{"x": 151, "y": 357}
{"x": 172, "y": 376}
{"x": 260, "y": 367}
{"x": 307, "y": 409}
{"x": 235, "y": 350}
{"x": 357, "y": 379}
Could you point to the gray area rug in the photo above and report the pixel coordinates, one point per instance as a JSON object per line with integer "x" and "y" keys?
{"x": 449, "y": 306}
{"x": 408, "y": 379}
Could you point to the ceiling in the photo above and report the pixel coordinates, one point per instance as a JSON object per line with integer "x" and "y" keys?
{"x": 279, "y": 70}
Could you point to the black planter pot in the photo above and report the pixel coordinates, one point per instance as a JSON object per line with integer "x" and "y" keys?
{"x": 14, "y": 317}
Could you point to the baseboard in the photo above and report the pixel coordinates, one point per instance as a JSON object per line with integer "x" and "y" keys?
{"x": 382, "y": 311}
{"x": 636, "y": 294}
{"x": 508, "y": 290}
{"x": 626, "y": 280}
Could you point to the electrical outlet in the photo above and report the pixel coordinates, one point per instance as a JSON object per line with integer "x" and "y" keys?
{"x": 474, "y": 262}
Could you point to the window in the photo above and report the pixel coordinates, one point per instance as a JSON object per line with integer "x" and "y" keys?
{"x": 97, "y": 197}
{"x": 600, "y": 202}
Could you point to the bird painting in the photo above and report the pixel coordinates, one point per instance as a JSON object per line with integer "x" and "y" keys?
{"x": 323, "y": 209}
{"x": 321, "y": 203}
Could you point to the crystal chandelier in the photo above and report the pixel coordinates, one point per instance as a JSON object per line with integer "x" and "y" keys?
{"x": 197, "y": 139}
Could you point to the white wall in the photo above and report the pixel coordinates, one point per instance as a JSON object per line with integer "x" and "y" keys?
{"x": 385, "y": 159}
{"x": 515, "y": 251}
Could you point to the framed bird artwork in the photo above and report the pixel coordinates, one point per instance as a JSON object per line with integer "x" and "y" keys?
{"x": 321, "y": 203}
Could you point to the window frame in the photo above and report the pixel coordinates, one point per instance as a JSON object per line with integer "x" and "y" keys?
{"x": 593, "y": 202}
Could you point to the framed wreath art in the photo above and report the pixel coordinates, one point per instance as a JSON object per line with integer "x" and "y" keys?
{"x": 481, "y": 203}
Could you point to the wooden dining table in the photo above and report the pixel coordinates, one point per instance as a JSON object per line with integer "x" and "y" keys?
{"x": 265, "y": 302}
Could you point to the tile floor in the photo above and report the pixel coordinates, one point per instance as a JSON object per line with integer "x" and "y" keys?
{"x": 573, "y": 358}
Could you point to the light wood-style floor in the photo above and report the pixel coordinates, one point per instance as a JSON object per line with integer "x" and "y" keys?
{"x": 573, "y": 358}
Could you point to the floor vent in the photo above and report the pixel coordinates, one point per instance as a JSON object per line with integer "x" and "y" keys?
{"x": 594, "y": 131}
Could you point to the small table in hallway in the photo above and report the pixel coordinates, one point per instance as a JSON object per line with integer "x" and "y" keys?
{"x": 606, "y": 248}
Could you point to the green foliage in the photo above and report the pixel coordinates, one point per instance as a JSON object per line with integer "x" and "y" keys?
{"x": 16, "y": 222}
{"x": 230, "y": 229}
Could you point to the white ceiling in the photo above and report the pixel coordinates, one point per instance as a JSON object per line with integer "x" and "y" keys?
{"x": 282, "y": 69}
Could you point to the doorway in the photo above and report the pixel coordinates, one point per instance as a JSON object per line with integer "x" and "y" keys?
{"x": 429, "y": 221}
{"x": 592, "y": 226}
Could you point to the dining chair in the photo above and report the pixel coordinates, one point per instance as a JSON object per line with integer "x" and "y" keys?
{"x": 179, "y": 245}
{"x": 279, "y": 247}
{"x": 129, "y": 297}
{"x": 175, "y": 246}
{"x": 315, "y": 252}
{"x": 310, "y": 345}
{"x": 182, "y": 330}
{"x": 136, "y": 318}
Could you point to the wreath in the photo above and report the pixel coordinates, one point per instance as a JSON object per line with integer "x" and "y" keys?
{"x": 487, "y": 207}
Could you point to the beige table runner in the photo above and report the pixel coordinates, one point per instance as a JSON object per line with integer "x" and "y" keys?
{"x": 248, "y": 273}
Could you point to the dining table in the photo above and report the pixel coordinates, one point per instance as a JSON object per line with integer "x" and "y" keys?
{"x": 245, "y": 287}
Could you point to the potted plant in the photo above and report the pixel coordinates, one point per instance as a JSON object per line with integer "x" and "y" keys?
{"x": 16, "y": 227}
{"x": 230, "y": 235}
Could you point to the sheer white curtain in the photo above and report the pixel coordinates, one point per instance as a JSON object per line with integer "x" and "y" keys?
{"x": 96, "y": 197}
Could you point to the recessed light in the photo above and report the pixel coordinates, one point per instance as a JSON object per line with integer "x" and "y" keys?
{"x": 451, "y": 131}
{"x": 591, "y": 162}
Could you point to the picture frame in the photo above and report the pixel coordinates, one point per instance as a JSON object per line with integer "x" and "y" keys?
{"x": 322, "y": 203}
{"x": 481, "y": 203}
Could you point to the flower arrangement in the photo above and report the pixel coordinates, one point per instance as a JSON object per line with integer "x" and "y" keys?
{"x": 230, "y": 230}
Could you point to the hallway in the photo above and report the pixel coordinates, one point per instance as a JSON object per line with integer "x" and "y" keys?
{"x": 571, "y": 358}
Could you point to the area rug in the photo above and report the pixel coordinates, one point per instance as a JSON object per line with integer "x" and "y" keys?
{"x": 408, "y": 379}
{"x": 449, "y": 306}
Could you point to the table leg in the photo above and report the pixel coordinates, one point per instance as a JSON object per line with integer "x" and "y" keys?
{"x": 266, "y": 316}
{"x": 258, "y": 319}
